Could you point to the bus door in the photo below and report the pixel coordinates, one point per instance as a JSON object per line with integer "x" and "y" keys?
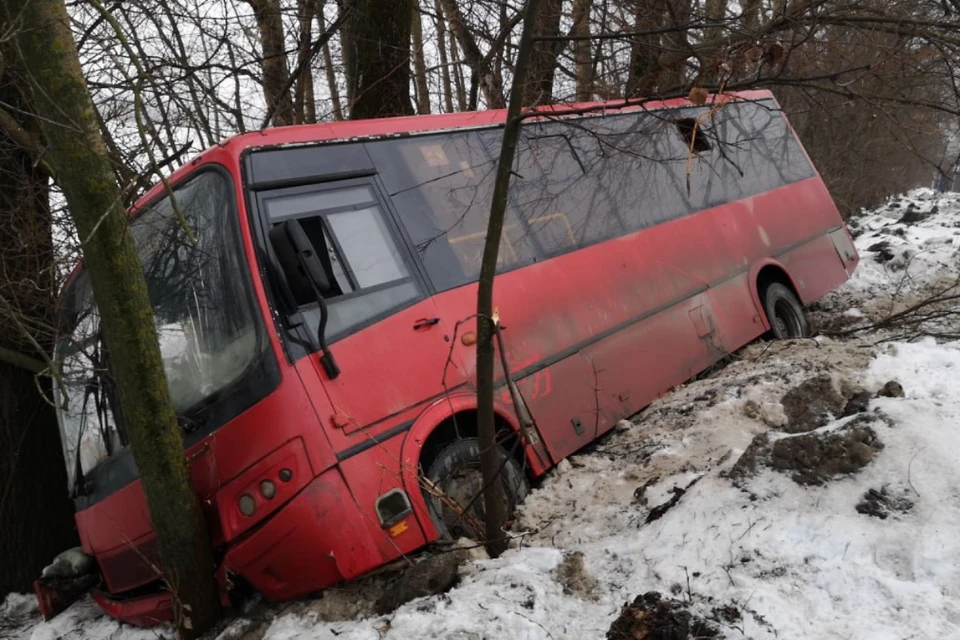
{"x": 387, "y": 341}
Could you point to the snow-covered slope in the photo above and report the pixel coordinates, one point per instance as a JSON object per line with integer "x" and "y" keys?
{"x": 777, "y": 553}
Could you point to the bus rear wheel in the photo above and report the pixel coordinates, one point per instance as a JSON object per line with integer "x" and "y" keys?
{"x": 453, "y": 490}
{"x": 785, "y": 313}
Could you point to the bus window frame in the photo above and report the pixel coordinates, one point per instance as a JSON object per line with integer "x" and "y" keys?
{"x": 296, "y": 339}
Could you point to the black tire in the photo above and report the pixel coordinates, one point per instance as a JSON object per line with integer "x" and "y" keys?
{"x": 785, "y": 313}
{"x": 456, "y": 473}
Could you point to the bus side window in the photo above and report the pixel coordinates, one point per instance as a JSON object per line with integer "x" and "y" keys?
{"x": 366, "y": 267}
{"x": 442, "y": 184}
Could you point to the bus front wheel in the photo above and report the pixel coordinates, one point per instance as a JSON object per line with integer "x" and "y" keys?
{"x": 453, "y": 490}
{"x": 785, "y": 313}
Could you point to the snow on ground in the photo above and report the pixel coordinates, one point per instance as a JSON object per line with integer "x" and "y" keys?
{"x": 769, "y": 558}
{"x": 907, "y": 246}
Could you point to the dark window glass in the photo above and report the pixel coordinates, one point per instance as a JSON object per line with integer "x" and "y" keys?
{"x": 579, "y": 181}
{"x": 556, "y": 194}
{"x": 442, "y": 186}
{"x": 368, "y": 274}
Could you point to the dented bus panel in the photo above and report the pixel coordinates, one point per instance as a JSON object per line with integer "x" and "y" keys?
{"x": 319, "y": 340}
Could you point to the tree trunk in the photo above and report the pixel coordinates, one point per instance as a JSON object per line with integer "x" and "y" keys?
{"x": 419, "y": 63}
{"x": 751, "y": 15}
{"x": 488, "y": 80}
{"x": 711, "y": 72}
{"x": 335, "y": 105}
{"x": 644, "y": 50}
{"x": 32, "y": 468}
{"x": 538, "y": 88}
{"x": 78, "y": 155}
{"x": 458, "y": 75}
{"x": 379, "y": 40}
{"x": 444, "y": 59}
{"x": 305, "y": 106}
{"x": 494, "y": 502}
{"x": 582, "y": 56}
{"x": 274, "y": 63}
{"x": 676, "y": 47}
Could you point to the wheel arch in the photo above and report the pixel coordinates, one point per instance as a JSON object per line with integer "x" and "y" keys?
{"x": 439, "y": 424}
{"x": 763, "y": 273}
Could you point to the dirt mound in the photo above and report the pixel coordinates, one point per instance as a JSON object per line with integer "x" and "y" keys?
{"x": 653, "y": 617}
{"x": 881, "y": 503}
{"x": 573, "y": 575}
{"x": 811, "y": 458}
{"x": 812, "y": 404}
{"x": 428, "y": 577}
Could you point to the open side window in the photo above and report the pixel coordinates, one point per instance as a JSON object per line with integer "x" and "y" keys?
{"x": 366, "y": 267}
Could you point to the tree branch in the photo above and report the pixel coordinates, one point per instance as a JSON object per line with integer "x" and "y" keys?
{"x": 27, "y": 141}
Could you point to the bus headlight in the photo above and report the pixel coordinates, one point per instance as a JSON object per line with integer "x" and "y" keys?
{"x": 247, "y": 505}
{"x": 268, "y": 489}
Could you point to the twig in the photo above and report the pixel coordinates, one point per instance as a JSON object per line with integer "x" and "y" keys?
{"x": 909, "y": 466}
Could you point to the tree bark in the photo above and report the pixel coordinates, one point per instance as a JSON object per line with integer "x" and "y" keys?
{"x": 446, "y": 88}
{"x": 644, "y": 50}
{"x": 304, "y": 105}
{"x": 458, "y": 75}
{"x": 335, "y": 105}
{"x": 77, "y": 152}
{"x": 488, "y": 80}
{"x": 494, "y": 502}
{"x": 675, "y": 45}
{"x": 538, "y": 89}
{"x": 751, "y": 15}
{"x": 32, "y": 468}
{"x": 419, "y": 62}
{"x": 582, "y": 56}
{"x": 711, "y": 72}
{"x": 379, "y": 40}
{"x": 274, "y": 62}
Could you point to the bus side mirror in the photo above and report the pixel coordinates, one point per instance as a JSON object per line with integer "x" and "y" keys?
{"x": 306, "y": 278}
{"x": 301, "y": 265}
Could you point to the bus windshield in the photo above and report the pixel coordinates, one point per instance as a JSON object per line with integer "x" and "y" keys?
{"x": 205, "y": 314}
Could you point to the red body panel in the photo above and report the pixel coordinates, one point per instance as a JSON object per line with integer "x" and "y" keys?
{"x": 592, "y": 336}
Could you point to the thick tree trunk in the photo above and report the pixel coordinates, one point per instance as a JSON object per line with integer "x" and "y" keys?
{"x": 494, "y": 502}
{"x": 538, "y": 89}
{"x": 711, "y": 72}
{"x": 32, "y": 471}
{"x": 379, "y": 39}
{"x": 419, "y": 63}
{"x": 274, "y": 63}
{"x": 645, "y": 50}
{"x": 488, "y": 80}
{"x": 582, "y": 56}
{"x": 78, "y": 155}
{"x": 335, "y": 105}
{"x": 751, "y": 15}
{"x": 676, "y": 47}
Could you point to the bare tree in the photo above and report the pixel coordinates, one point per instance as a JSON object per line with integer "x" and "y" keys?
{"x": 273, "y": 60}
{"x": 419, "y": 64}
{"x": 329, "y": 71}
{"x": 479, "y": 64}
{"x": 78, "y": 155}
{"x": 494, "y": 500}
{"x": 377, "y": 36}
{"x": 583, "y": 58}
{"x": 538, "y": 88}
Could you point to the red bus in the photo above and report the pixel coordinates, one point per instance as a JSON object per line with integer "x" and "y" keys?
{"x": 317, "y": 336}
